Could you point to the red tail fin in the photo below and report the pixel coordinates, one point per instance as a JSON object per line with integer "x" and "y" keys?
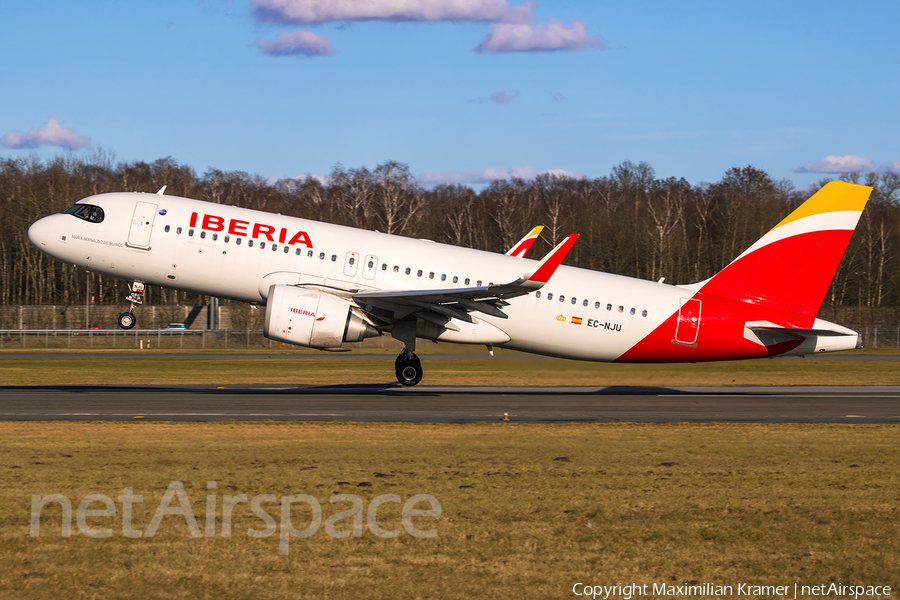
{"x": 792, "y": 266}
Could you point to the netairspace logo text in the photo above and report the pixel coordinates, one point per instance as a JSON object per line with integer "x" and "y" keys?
{"x": 791, "y": 590}
{"x": 284, "y": 526}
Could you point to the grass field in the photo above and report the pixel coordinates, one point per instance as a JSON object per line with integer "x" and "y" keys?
{"x": 526, "y": 510}
{"x": 467, "y": 368}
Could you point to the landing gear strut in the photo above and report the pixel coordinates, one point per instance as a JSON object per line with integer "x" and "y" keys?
{"x": 408, "y": 368}
{"x": 127, "y": 320}
{"x": 407, "y": 365}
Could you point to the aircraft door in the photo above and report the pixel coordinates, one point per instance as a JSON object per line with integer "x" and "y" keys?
{"x": 688, "y": 326}
{"x": 370, "y": 266}
{"x": 141, "y": 225}
{"x": 351, "y": 264}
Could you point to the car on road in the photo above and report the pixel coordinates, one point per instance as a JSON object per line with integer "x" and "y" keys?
{"x": 84, "y": 329}
{"x": 173, "y": 327}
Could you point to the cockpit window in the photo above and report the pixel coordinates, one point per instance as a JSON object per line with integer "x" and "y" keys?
{"x": 87, "y": 212}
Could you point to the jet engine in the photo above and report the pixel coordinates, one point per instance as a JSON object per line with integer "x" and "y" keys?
{"x": 305, "y": 318}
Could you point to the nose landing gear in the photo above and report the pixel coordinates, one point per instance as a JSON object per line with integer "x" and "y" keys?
{"x": 127, "y": 320}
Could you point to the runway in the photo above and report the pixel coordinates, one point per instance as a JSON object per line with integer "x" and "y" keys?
{"x": 431, "y": 404}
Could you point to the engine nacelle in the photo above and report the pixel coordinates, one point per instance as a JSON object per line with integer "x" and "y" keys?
{"x": 305, "y": 318}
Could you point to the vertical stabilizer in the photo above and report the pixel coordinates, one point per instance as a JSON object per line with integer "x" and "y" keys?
{"x": 792, "y": 265}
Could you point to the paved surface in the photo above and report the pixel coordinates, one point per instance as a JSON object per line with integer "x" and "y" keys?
{"x": 426, "y": 404}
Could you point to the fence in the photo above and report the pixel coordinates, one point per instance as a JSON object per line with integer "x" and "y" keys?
{"x": 135, "y": 338}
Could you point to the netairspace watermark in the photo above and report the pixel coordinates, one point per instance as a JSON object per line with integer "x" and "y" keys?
{"x": 790, "y": 590}
{"x": 284, "y": 526}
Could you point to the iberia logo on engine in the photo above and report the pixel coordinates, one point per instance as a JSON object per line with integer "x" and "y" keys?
{"x": 300, "y": 311}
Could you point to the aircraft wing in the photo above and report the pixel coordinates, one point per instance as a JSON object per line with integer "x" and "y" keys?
{"x": 441, "y": 305}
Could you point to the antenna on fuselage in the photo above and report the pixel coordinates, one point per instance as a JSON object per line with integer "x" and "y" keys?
{"x": 161, "y": 191}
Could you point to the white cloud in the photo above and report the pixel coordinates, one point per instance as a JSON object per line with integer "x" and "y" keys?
{"x": 837, "y": 164}
{"x": 503, "y": 97}
{"x": 893, "y": 167}
{"x": 526, "y": 37}
{"x": 51, "y": 133}
{"x": 489, "y": 175}
{"x": 297, "y": 43}
{"x": 317, "y": 12}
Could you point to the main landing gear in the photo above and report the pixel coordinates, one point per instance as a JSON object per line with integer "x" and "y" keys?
{"x": 408, "y": 368}
{"x": 407, "y": 365}
{"x": 127, "y": 320}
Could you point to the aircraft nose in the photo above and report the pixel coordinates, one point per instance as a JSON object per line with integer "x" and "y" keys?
{"x": 38, "y": 233}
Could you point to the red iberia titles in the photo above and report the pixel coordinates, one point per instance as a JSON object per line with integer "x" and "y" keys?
{"x": 300, "y": 311}
{"x": 248, "y": 229}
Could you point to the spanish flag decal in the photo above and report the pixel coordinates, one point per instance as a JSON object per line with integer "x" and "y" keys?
{"x": 576, "y": 320}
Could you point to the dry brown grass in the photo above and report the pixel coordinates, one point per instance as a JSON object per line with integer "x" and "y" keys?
{"x": 508, "y": 368}
{"x": 765, "y": 504}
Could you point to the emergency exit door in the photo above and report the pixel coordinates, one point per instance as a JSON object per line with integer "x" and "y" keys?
{"x": 688, "y": 326}
{"x": 141, "y": 225}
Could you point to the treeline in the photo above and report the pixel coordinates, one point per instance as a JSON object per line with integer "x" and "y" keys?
{"x": 631, "y": 222}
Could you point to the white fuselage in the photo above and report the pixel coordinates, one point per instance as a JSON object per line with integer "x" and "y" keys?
{"x": 237, "y": 253}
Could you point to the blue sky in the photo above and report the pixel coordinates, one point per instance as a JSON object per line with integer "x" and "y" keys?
{"x": 460, "y": 90}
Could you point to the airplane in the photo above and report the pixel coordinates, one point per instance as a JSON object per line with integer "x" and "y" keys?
{"x": 325, "y": 285}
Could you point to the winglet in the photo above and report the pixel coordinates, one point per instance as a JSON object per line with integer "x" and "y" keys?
{"x": 544, "y": 270}
{"x": 522, "y": 246}
{"x": 161, "y": 191}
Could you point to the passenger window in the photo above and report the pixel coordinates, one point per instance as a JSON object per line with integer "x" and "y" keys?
{"x": 352, "y": 261}
{"x": 632, "y": 311}
{"x": 419, "y": 273}
{"x": 202, "y": 235}
{"x": 190, "y": 233}
{"x": 288, "y": 249}
{"x": 596, "y": 305}
{"x": 178, "y": 231}
{"x": 609, "y": 307}
{"x": 408, "y": 270}
{"x": 275, "y": 247}
{"x": 321, "y": 256}
{"x": 455, "y": 279}
{"x": 621, "y": 309}
{"x": 237, "y": 241}
{"x": 550, "y": 296}
{"x": 562, "y": 298}
{"x": 215, "y": 236}
{"x": 585, "y": 303}
{"x": 644, "y": 313}
{"x": 537, "y": 294}
{"x": 396, "y": 268}
{"x": 249, "y": 243}
{"x": 309, "y": 254}
{"x": 574, "y": 300}
{"x": 334, "y": 258}
{"x": 167, "y": 228}
{"x": 478, "y": 283}
{"x": 468, "y": 281}
{"x": 226, "y": 239}
{"x": 297, "y": 252}
{"x": 262, "y": 245}
{"x": 372, "y": 264}
{"x": 384, "y": 266}
{"x": 431, "y": 275}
